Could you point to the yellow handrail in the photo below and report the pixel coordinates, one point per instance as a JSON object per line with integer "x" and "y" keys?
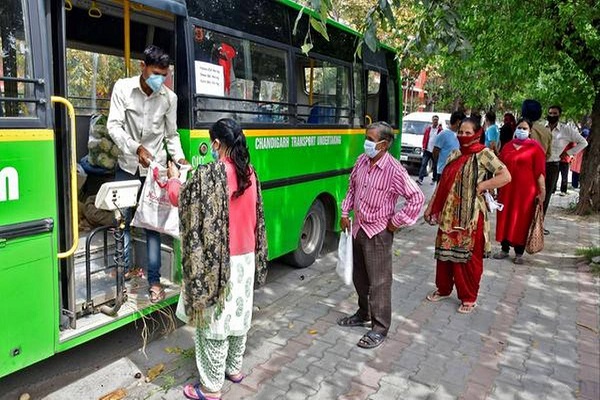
{"x": 127, "y": 36}
{"x": 73, "y": 168}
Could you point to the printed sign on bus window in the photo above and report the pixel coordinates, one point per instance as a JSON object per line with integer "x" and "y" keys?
{"x": 209, "y": 79}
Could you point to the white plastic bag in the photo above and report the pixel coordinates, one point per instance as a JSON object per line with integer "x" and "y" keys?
{"x": 491, "y": 203}
{"x": 180, "y": 310}
{"x": 345, "y": 259}
{"x": 155, "y": 210}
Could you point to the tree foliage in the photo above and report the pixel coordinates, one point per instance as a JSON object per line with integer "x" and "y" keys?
{"x": 492, "y": 55}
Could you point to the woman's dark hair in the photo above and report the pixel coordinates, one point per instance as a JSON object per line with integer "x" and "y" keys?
{"x": 474, "y": 121}
{"x": 526, "y": 120}
{"x": 230, "y": 134}
{"x": 154, "y": 55}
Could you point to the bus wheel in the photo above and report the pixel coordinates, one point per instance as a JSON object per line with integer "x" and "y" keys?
{"x": 311, "y": 237}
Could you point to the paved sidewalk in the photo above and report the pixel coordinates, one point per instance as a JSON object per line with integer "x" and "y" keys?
{"x": 533, "y": 336}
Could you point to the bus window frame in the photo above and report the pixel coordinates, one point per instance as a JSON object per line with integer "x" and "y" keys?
{"x": 40, "y": 72}
{"x": 297, "y": 53}
{"x": 194, "y": 22}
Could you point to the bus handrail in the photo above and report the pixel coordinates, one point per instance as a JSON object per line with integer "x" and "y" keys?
{"x": 206, "y": 96}
{"x": 74, "y": 204}
{"x": 37, "y": 81}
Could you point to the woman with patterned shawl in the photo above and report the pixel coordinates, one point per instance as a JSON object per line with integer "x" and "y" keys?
{"x": 224, "y": 255}
{"x": 458, "y": 206}
{"x": 526, "y": 161}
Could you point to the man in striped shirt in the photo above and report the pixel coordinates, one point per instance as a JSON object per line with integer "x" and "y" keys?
{"x": 376, "y": 182}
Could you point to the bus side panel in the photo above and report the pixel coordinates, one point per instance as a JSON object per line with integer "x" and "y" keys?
{"x": 286, "y": 208}
{"x": 28, "y": 264}
{"x": 317, "y": 163}
{"x": 29, "y": 314}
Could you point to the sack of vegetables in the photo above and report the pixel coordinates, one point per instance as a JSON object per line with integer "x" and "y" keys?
{"x": 103, "y": 152}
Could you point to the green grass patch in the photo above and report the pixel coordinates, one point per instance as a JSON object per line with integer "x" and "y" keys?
{"x": 588, "y": 252}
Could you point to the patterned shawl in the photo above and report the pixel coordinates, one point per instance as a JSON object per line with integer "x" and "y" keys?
{"x": 455, "y": 205}
{"x": 204, "y": 228}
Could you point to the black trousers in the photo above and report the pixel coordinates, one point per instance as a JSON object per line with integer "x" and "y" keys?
{"x": 563, "y": 167}
{"x": 519, "y": 250}
{"x": 552, "y": 170}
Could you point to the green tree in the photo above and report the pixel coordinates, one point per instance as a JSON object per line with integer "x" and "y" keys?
{"x": 545, "y": 49}
{"x": 492, "y": 55}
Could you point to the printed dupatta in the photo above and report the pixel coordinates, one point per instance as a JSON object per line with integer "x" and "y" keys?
{"x": 204, "y": 229}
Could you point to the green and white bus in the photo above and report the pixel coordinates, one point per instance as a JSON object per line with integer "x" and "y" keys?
{"x": 304, "y": 116}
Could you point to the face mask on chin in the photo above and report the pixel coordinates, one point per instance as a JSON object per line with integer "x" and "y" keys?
{"x": 553, "y": 119}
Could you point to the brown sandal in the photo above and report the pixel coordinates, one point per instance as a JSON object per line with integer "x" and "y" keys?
{"x": 157, "y": 293}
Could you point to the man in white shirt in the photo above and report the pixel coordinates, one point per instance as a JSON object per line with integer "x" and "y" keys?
{"x": 428, "y": 141}
{"x": 142, "y": 122}
{"x": 562, "y": 135}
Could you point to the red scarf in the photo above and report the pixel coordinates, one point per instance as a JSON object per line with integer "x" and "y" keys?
{"x": 449, "y": 174}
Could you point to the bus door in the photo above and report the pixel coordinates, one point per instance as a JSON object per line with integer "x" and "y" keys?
{"x": 93, "y": 45}
{"x": 382, "y": 90}
{"x": 28, "y": 265}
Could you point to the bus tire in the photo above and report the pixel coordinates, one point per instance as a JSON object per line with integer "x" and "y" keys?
{"x": 311, "y": 237}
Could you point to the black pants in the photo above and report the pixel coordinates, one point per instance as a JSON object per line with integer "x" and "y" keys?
{"x": 563, "y": 167}
{"x": 575, "y": 179}
{"x": 519, "y": 250}
{"x": 552, "y": 170}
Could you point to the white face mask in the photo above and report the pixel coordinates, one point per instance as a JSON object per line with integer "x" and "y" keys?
{"x": 521, "y": 134}
{"x": 370, "y": 149}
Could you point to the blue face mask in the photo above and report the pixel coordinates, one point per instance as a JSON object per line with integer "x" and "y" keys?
{"x": 214, "y": 153}
{"x": 155, "y": 82}
{"x": 370, "y": 149}
{"x": 521, "y": 134}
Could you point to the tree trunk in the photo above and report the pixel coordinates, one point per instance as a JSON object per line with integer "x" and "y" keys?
{"x": 589, "y": 193}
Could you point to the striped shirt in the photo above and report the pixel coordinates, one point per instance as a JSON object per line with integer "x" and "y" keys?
{"x": 373, "y": 193}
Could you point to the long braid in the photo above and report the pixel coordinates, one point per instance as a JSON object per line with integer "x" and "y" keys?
{"x": 241, "y": 160}
{"x": 231, "y": 135}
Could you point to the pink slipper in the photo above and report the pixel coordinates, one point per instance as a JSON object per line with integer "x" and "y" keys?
{"x": 235, "y": 380}
{"x": 193, "y": 392}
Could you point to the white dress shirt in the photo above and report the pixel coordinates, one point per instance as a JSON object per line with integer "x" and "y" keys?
{"x": 562, "y": 135}
{"x": 136, "y": 119}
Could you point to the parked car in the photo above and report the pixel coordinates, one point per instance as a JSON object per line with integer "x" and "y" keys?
{"x": 413, "y": 129}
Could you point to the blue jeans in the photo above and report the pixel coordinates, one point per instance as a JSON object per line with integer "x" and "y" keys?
{"x": 152, "y": 237}
{"x": 427, "y": 155}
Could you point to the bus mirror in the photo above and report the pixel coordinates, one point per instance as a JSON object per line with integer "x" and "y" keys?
{"x": 117, "y": 195}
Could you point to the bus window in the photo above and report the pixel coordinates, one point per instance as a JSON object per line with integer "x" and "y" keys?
{"x": 325, "y": 95}
{"x": 373, "y": 82}
{"x": 17, "y": 97}
{"x": 239, "y": 79}
{"x": 392, "y": 104}
{"x": 359, "y": 94}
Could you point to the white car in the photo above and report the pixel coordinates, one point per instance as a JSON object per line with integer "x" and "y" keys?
{"x": 413, "y": 129}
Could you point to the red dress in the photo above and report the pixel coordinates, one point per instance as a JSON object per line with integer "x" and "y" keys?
{"x": 525, "y": 165}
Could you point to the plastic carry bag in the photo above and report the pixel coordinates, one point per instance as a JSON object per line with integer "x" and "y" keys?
{"x": 345, "y": 259}
{"x": 180, "y": 310}
{"x": 491, "y": 203}
{"x": 155, "y": 211}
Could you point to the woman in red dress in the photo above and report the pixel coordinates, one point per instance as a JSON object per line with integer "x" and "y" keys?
{"x": 526, "y": 162}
